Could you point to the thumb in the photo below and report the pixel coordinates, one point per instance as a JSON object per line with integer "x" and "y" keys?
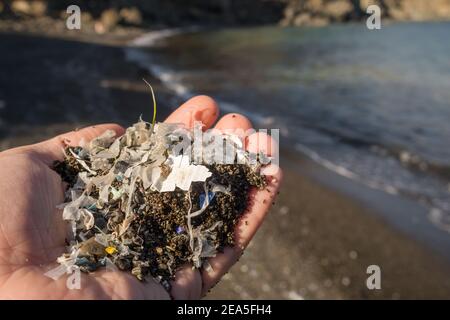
{"x": 51, "y": 150}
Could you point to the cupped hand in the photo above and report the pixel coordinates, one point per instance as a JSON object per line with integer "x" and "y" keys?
{"x": 32, "y": 232}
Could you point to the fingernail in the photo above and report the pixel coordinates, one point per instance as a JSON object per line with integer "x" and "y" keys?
{"x": 205, "y": 115}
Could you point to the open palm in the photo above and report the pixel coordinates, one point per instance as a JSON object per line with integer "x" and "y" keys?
{"x": 32, "y": 232}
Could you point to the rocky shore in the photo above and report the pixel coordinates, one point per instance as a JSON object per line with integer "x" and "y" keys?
{"x": 106, "y": 15}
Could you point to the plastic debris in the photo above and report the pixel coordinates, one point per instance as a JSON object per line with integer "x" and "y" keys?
{"x": 110, "y": 250}
{"x": 183, "y": 174}
{"x": 203, "y": 196}
{"x": 140, "y": 203}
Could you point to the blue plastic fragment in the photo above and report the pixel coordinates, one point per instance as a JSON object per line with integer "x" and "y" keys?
{"x": 82, "y": 261}
{"x": 179, "y": 229}
{"x": 202, "y": 198}
{"x": 92, "y": 206}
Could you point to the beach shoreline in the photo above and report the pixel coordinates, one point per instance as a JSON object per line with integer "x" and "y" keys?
{"x": 317, "y": 241}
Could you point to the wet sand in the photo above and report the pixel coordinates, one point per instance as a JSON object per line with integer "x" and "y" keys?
{"x": 317, "y": 242}
{"x": 318, "y": 239}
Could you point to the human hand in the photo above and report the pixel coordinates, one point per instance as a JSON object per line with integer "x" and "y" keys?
{"x": 32, "y": 232}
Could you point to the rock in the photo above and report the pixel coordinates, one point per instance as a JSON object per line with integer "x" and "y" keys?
{"x": 131, "y": 16}
{"x": 99, "y": 27}
{"x": 305, "y": 19}
{"x": 314, "y": 5}
{"x": 319, "y": 22}
{"x": 302, "y": 19}
{"x": 418, "y": 10}
{"x": 20, "y": 7}
{"x": 288, "y": 16}
{"x": 363, "y": 4}
{"x": 338, "y": 9}
{"x": 30, "y": 8}
{"x": 108, "y": 20}
{"x": 315, "y": 12}
{"x": 86, "y": 17}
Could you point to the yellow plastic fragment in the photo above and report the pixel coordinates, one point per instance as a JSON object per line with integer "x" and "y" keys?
{"x": 110, "y": 250}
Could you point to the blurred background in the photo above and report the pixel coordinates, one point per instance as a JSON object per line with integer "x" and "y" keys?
{"x": 363, "y": 116}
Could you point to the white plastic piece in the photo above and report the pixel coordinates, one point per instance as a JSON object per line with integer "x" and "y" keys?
{"x": 183, "y": 174}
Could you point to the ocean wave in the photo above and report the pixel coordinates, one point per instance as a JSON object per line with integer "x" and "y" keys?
{"x": 175, "y": 81}
{"x": 151, "y": 39}
{"x": 436, "y": 202}
{"x": 343, "y": 171}
{"x": 407, "y": 158}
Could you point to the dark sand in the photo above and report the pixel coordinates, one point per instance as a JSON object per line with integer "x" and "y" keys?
{"x": 316, "y": 243}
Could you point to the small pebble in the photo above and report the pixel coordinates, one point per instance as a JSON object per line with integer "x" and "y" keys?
{"x": 244, "y": 268}
{"x": 346, "y": 281}
{"x": 284, "y": 210}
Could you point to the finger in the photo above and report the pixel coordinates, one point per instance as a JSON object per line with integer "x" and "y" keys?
{"x": 260, "y": 142}
{"x": 187, "y": 284}
{"x": 235, "y": 124}
{"x": 260, "y": 203}
{"x": 122, "y": 285}
{"x": 233, "y": 121}
{"x": 199, "y": 108}
{"x": 73, "y": 138}
{"x": 52, "y": 149}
